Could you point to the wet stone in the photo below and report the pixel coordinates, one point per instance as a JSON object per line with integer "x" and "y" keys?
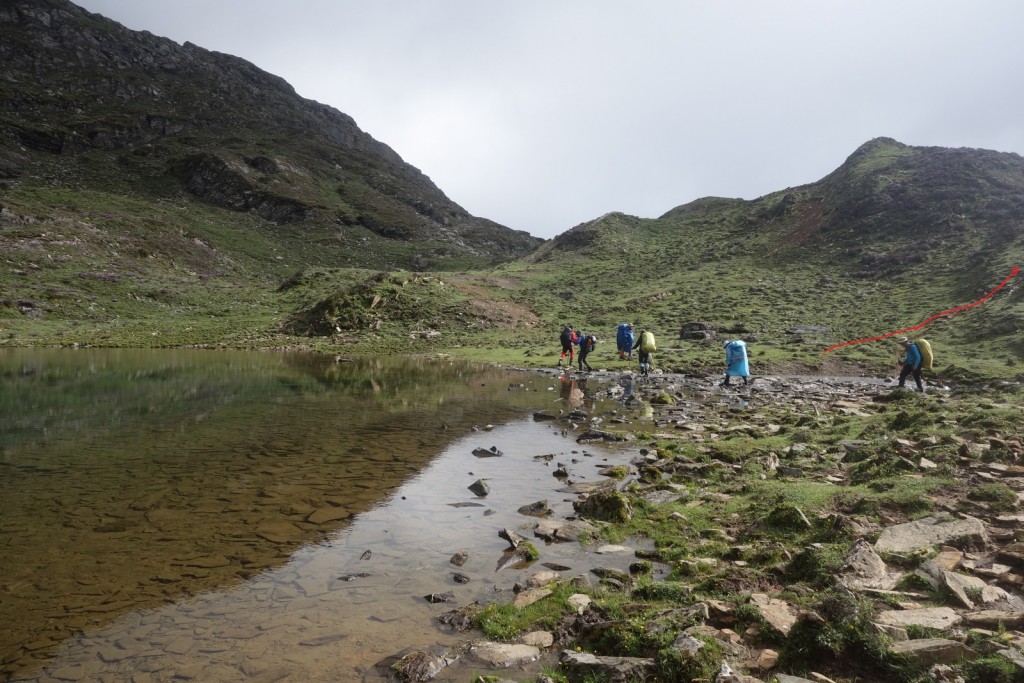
{"x": 328, "y": 514}
{"x": 480, "y": 487}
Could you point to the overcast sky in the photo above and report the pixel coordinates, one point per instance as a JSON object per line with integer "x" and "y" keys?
{"x": 543, "y": 114}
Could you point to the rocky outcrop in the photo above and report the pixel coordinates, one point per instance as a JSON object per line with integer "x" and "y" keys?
{"x": 147, "y": 110}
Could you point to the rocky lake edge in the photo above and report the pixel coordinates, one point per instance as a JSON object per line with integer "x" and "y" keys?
{"x": 801, "y": 528}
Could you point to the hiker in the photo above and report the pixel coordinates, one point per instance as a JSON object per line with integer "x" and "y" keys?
{"x": 911, "y": 363}
{"x": 568, "y": 338}
{"x": 736, "y": 364}
{"x": 624, "y": 340}
{"x": 587, "y": 342}
{"x": 646, "y": 346}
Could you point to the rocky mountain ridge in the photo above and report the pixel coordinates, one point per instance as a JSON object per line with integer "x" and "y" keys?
{"x": 89, "y": 103}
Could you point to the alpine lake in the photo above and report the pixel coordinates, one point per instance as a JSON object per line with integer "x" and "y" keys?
{"x": 173, "y": 515}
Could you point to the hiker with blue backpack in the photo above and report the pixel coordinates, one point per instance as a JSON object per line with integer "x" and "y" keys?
{"x": 586, "y": 343}
{"x": 624, "y": 340}
{"x": 736, "y": 363}
{"x": 912, "y": 363}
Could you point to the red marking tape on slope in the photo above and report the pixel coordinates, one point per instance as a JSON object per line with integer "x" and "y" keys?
{"x": 1013, "y": 274}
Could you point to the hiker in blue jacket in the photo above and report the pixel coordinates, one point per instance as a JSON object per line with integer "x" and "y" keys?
{"x": 736, "y": 364}
{"x": 911, "y": 363}
{"x": 624, "y": 340}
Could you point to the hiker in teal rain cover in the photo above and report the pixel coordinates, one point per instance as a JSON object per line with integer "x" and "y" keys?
{"x": 911, "y": 363}
{"x": 736, "y": 364}
{"x": 568, "y": 338}
{"x": 624, "y": 340}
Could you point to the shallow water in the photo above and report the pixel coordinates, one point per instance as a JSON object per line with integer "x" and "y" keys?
{"x": 171, "y": 515}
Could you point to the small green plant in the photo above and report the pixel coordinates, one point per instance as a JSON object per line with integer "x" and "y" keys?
{"x": 998, "y": 496}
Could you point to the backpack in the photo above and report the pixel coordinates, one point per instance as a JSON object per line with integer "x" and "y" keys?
{"x": 647, "y": 343}
{"x": 927, "y": 357}
{"x": 566, "y": 335}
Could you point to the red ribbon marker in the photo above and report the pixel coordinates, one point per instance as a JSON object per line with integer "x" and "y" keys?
{"x": 1013, "y": 274}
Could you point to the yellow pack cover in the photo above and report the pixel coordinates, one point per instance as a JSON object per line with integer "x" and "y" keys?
{"x": 647, "y": 343}
{"x": 927, "y": 357}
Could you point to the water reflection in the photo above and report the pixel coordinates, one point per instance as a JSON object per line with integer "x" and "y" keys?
{"x": 134, "y": 479}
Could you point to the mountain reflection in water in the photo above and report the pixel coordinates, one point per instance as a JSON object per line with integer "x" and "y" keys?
{"x": 207, "y": 514}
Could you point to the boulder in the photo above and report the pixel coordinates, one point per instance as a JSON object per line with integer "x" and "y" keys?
{"x": 503, "y": 655}
{"x": 538, "y": 509}
{"x": 929, "y": 651}
{"x": 994, "y": 618}
{"x": 562, "y": 532}
{"x": 419, "y": 665}
{"x": 609, "y": 506}
{"x": 776, "y": 613}
{"x": 865, "y": 569}
{"x": 530, "y": 596}
{"x": 938, "y": 618}
{"x": 582, "y": 665}
{"x": 480, "y": 487}
{"x": 904, "y": 538}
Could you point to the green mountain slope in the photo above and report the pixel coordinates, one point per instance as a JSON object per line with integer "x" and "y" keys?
{"x": 158, "y": 194}
{"x": 894, "y": 236}
{"x": 91, "y": 107}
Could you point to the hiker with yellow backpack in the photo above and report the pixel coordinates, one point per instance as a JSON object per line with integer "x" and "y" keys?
{"x": 918, "y": 355}
{"x": 647, "y": 345}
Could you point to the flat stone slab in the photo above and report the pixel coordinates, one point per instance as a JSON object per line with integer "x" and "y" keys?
{"x": 504, "y": 655}
{"x": 608, "y": 668}
{"x": 530, "y": 596}
{"x": 777, "y": 613}
{"x": 940, "y": 618}
{"x": 992, "y": 618}
{"x": 562, "y": 532}
{"x": 927, "y": 532}
{"x": 931, "y": 650}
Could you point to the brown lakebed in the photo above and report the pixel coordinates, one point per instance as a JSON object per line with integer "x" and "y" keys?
{"x": 236, "y": 516}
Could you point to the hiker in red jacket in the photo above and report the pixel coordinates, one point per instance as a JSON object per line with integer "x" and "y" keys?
{"x": 568, "y": 340}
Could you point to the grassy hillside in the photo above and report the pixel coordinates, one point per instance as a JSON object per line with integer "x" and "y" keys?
{"x": 793, "y": 272}
{"x": 117, "y": 129}
{"x": 160, "y": 194}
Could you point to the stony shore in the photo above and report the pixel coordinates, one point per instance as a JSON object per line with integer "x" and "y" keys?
{"x": 803, "y": 529}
